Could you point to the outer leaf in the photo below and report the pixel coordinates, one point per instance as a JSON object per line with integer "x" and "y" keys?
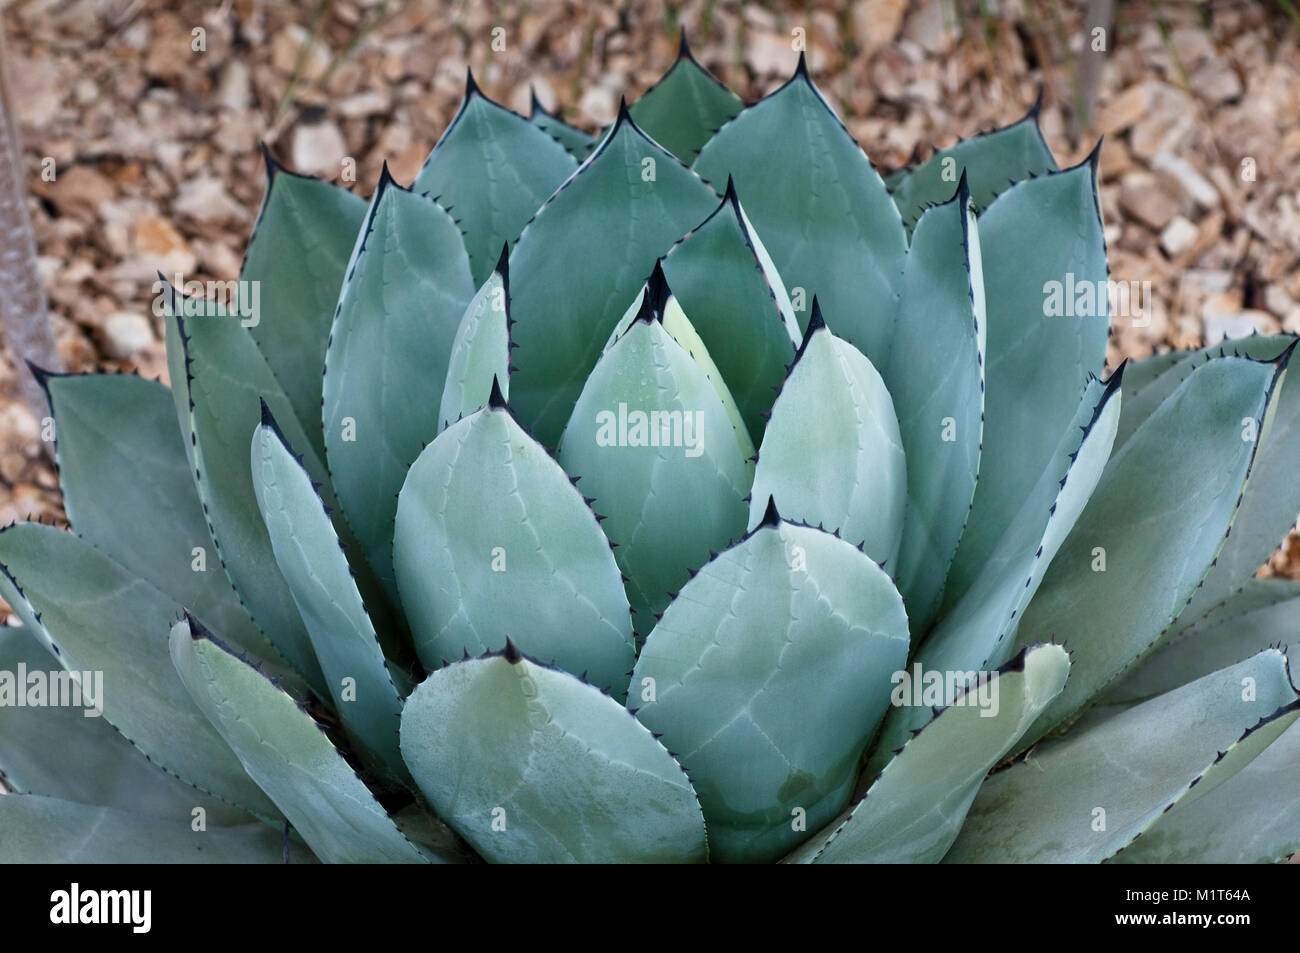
{"x": 1264, "y": 612}
{"x": 767, "y": 675}
{"x": 1044, "y": 233}
{"x": 573, "y": 139}
{"x": 935, "y": 377}
{"x": 219, "y": 383}
{"x": 128, "y": 490}
{"x": 991, "y": 161}
{"x": 667, "y": 505}
{"x": 495, "y": 169}
{"x": 532, "y": 766}
{"x": 914, "y": 809}
{"x": 46, "y": 830}
{"x": 832, "y": 455}
{"x": 56, "y": 751}
{"x": 1124, "y": 771}
{"x": 1109, "y": 619}
{"x": 96, "y": 617}
{"x": 481, "y": 351}
{"x": 624, "y": 207}
{"x": 287, "y": 754}
{"x": 685, "y": 108}
{"x": 296, "y": 258}
{"x": 1252, "y": 818}
{"x": 724, "y": 279}
{"x": 493, "y": 541}
{"x": 797, "y": 165}
{"x": 975, "y": 636}
{"x": 361, "y": 681}
{"x": 407, "y": 289}
{"x": 1272, "y": 499}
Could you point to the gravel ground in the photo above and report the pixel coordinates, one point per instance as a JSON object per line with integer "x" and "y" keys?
{"x": 158, "y": 168}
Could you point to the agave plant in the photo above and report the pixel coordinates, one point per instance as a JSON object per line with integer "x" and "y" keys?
{"x": 690, "y": 494}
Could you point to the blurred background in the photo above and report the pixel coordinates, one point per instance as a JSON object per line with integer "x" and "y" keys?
{"x": 131, "y": 133}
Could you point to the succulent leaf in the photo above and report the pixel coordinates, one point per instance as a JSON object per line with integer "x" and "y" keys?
{"x": 94, "y": 616}
{"x": 796, "y": 164}
{"x": 1272, "y": 498}
{"x": 975, "y": 636}
{"x": 287, "y": 754}
{"x": 626, "y": 206}
{"x": 128, "y": 490}
{"x": 578, "y": 143}
{"x": 219, "y": 382}
{"x": 935, "y": 378}
{"x": 493, "y": 541}
{"x": 788, "y": 629}
{"x": 913, "y": 811}
{"x": 725, "y": 281}
{"x": 407, "y": 289}
{"x": 41, "y": 743}
{"x": 1111, "y": 613}
{"x": 832, "y": 455}
{"x": 1040, "y": 234}
{"x": 660, "y": 454}
{"x": 494, "y": 169}
{"x": 531, "y": 765}
{"x": 1263, "y": 612}
{"x": 1085, "y": 796}
{"x": 297, "y": 256}
{"x": 1251, "y": 818}
{"x": 480, "y": 352}
{"x": 683, "y": 110}
{"x": 47, "y": 830}
{"x": 991, "y": 162}
{"x": 366, "y": 688}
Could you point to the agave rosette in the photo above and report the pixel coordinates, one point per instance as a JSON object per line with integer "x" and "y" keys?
{"x": 690, "y": 493}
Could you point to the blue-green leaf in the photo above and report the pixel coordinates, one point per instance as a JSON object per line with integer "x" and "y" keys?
{"x": 365, "y": 687}
{"x": 57, "y": 751}
{"x": 287, "y": 754}
{"x": 914, "y": 809}
{"x": 480, "y": 352}
{"x": 726, "y": 282}
{"x": 821, "y": 208}
{"x": 1115, "y": 586}
{"x": 530, "y": 765}
{"x": 1084, "y": 797}
{"x": 406, "y": 292}
{"x": 936, "y": 379}
{"x": 584, "y": 257}
{"x": 94, "y": 616}
{"x": 832, "y": 456}
{"x": 494, "y": 169}
{"x": 128, "y": 490}
{"x": 294, "y": 268}
{"x": 767, "y": 676}
{"x": 686, "y": 107}
{"x": 977, "y": 634}
{"x": 1263, "y": 612}
{"x": 219, "y": 381}
{"x": 1048, "y": 319}
{"x": 46, "y": 830}
{"x": 578, "y": 143}
{"x": 493, "y": 541}
{"x": 991, "y": 161}
{"x": 655, "y": 446}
